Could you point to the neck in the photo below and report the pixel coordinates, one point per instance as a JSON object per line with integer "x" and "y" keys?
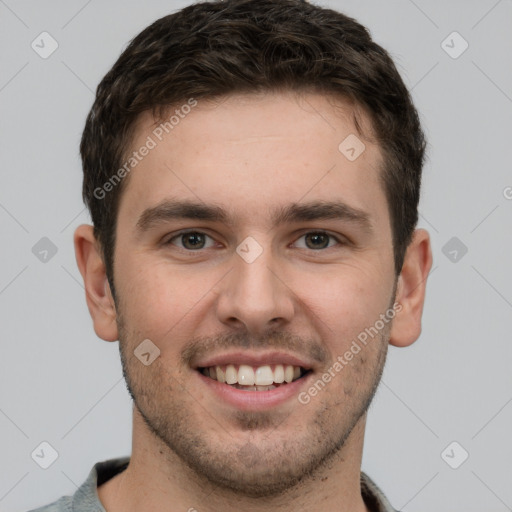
{"x": 157, "y": 479}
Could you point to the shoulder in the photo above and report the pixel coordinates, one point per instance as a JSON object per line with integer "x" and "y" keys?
{"x": 61, "y": 505}
{"x": 86, "y": 497}
{"x": 373, "y": 496}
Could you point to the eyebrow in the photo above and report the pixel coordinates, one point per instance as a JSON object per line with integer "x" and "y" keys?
{"x": 171, "y": 209}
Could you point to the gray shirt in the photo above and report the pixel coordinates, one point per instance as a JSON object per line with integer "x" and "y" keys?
{"x": 86, "y": 498}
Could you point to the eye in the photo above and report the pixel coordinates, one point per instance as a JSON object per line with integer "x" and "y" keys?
{"x": 191, "y": 240}
{"x": 315, "y": 240}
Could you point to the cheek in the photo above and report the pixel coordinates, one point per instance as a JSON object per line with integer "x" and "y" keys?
{"x": 159, "y": 302}
{"x": 148, "y": 306}
{"x": 343, "y": 304}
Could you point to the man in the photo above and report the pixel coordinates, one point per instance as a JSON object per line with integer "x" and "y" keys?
{"x": 252, "y": 169}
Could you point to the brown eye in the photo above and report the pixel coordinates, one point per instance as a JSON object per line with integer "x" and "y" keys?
{"x": 316, "y": 240}
{"x": 191, "y": 240}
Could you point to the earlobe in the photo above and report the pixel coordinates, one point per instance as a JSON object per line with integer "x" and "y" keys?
{"x": 97, "y": 289}
{"x": 411, "y": 288}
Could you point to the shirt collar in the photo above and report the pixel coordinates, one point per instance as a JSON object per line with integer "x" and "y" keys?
{"x": 86, "y": 497}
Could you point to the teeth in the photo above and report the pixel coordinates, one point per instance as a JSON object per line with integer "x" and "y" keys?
{"x": 220, "y": 374}
{"x": 279, "y": 374}
{"x": 246, "y": 375}
{"x": 231, "y": 374}
{"x": 264, "y": 376}
{"x": 254, "y": 388}
{"x": 248, "y": 378}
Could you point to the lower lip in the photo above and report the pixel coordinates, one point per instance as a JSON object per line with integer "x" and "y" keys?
{"x": 255, "y": 400}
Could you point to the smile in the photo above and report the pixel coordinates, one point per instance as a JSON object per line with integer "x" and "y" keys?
{"x": 250, "y": 378}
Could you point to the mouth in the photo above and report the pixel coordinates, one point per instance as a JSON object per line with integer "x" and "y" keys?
{"x": 275, "y": 378}
{"x": 254, "y": 378}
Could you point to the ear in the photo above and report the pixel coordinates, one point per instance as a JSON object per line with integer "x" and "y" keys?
{"x": 97, "y": 289}
{"x": 410, "y": 294}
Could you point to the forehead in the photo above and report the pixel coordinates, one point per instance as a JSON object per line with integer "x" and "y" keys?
{"x": 253, "y": 153}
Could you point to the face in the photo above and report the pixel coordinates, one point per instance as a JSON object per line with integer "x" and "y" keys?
{"x": 246, "y": 237}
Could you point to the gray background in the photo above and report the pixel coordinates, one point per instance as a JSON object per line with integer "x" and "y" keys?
{"x": 60, "y": 384}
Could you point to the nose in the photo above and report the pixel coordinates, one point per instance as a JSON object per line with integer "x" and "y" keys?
{"x": 255, "y": 295}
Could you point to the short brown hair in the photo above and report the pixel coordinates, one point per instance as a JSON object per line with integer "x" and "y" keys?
{"x": 212, "y": 49}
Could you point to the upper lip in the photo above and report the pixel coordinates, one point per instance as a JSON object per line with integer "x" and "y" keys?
{"x": 252, "y": 359}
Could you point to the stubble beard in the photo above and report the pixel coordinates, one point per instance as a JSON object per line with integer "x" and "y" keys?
{"x": 266, "y": 461}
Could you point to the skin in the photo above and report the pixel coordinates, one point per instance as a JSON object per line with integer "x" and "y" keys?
{"x": 249, "y": 154}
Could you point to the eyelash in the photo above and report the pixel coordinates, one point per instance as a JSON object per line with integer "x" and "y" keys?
{"x": 315, "y": 232}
